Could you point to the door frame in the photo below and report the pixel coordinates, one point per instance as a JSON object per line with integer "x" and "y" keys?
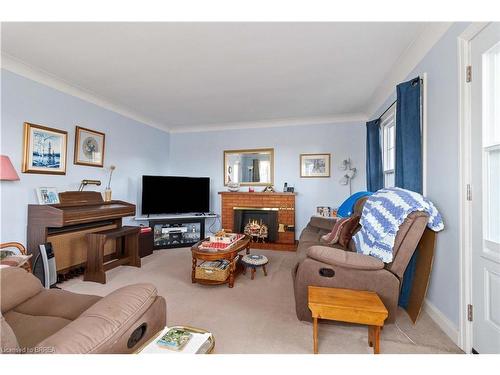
{"x": 465, "y": 153}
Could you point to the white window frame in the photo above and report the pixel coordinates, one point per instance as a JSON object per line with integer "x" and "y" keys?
{"x": 387, "y": 121}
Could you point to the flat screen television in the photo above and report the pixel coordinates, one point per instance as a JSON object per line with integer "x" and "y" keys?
{"x": 175, "y": 195}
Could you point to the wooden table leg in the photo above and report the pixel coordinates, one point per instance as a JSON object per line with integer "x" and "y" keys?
{"x": 193, "y": 272}
{"x": 232, "y": 269}
{"x": 253, "y": 272}
{"x": 264, "y": 269}
{"x": 376, "y": 339}
{"x": 315, "y": 335}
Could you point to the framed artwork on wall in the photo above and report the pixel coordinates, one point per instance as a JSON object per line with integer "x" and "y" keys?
{"x": 89, "y": 147}
{"x": 314, "y": 165}
{"x": 47, "y": 195}
{"x": 44, "y": 149}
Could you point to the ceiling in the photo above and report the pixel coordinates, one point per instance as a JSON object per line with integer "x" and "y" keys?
{"x": 189, "y": 76}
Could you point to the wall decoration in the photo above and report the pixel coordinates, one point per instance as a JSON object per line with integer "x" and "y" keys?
{"x": 47, "y": 195}
{"x": 44, "y": 150}
{"x": 314, "y": 165}
{"x": 254, "y": 167}
{"x": 89, "y": 147}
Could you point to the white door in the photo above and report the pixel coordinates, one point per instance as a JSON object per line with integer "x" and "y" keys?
{"x": 485, "y": 163}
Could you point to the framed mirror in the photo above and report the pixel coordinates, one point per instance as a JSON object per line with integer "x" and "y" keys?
{"x": 254, "y": 167}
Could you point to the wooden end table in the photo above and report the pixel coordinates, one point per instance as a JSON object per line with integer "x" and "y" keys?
{"x": 229, "y": 254}
{"x": 351, "y": 306}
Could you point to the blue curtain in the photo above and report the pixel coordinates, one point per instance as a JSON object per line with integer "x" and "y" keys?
{"x": 374, "y": 171}
{"x": 408, "y": 158}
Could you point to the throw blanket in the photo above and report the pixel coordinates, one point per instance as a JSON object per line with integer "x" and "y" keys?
{"x": 383, "y": 213}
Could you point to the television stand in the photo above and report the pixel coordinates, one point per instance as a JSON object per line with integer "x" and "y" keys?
{"x": 177, "y": 232}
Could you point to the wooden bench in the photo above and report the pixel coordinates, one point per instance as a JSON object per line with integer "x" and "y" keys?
{"x": 127, "y": 252}
{"x": 351, "y": 306}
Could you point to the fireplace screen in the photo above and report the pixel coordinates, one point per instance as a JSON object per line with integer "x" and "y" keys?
{"x": 260, "y": 224}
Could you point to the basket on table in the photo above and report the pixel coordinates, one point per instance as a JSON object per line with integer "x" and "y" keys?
{"x": 213, "y": 270}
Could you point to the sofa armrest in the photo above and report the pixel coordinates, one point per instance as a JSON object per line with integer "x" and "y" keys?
{"x": 347, "y": 259}
{"x": 105, "y": 322}
{"x": 321, "y": 222}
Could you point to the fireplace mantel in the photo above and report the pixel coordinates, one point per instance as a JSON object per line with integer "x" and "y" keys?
{"x": 284, "y": 203}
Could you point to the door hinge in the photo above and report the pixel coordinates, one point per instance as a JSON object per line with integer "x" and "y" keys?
{"x": 469, "y": 192}
{"x": 468, "y": 73}
{"x": 469, "y": 312}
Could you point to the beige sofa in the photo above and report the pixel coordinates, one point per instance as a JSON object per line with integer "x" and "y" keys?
{"x": 334, "y": 266}
{"x": 38, "y": 320}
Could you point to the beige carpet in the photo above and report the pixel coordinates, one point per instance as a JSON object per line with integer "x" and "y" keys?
{"x": 259, "y": 316}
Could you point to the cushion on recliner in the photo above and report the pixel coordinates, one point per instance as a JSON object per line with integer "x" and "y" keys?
{"x": 8, "y": 340}
{"x": 31, "y": 329}
{"x": 57, "y": 302}
{"x": 17, "y": 285}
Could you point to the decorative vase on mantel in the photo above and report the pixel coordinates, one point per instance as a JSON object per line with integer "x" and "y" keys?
{"x": 233, "y": 187}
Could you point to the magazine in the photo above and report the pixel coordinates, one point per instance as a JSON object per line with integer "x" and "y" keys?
{"x": 174, "y": 339}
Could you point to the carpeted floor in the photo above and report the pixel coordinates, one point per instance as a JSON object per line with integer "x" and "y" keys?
{"x": 259, "y": 316}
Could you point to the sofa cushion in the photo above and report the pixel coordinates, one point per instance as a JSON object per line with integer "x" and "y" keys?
{"x": 57, "y": 302}
{"x": 32, "y": 329}
{"x": 343, "y": 258}
{"x": 17, "y": 285}
{"x": 325, "y": 223}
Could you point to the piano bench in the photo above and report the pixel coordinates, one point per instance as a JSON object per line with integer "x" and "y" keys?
{"x": 127, "y": 252}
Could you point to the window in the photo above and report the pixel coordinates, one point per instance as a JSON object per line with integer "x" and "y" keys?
{"x": 491, "y": 145}
{"x": 388, "y": 126}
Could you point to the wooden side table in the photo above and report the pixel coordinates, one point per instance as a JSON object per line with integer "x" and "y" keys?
{"x": 351, "y": 306}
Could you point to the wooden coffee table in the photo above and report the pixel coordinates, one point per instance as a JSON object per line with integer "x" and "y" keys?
{"x": 346, "y": 305}
{"x": 230, "y": 254}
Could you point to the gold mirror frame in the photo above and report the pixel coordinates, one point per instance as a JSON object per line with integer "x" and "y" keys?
{"x": 269, "y": 151}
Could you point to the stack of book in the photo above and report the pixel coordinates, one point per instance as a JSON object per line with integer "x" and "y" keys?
{"x": 181, "y": 340}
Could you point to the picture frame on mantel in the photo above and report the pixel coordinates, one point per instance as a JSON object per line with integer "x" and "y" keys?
{"x": 44, "y": 150}
{"x": 89, "y": 147}
{"x": 315, "y": 165}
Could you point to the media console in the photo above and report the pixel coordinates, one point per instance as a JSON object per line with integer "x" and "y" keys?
{"x": 170, "y": 231}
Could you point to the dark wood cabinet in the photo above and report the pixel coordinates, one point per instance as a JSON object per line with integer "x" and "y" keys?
{"x": 145, "y": 244}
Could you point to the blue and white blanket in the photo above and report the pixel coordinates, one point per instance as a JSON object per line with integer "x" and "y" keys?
{"x": 383, "y": 213}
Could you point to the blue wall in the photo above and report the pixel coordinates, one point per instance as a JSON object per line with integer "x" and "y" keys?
{"x": 201, "y": 154}
{"x": 441, "y": 66}
{"x": 133, "y": 147}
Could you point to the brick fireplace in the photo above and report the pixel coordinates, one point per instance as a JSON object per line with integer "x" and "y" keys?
{"x": 275, "y": 210}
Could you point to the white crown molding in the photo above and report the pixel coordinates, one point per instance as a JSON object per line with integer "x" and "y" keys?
{"x": 17, "y": 66}
{"x": 323, "y": 120}
{"x": 406, "y": 62}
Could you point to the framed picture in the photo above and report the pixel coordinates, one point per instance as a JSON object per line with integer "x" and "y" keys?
{"x": 47, "y": 195}
{"x": 314, "y": 165}
{"x": 44, "y": 149}
{"x": 89, "y": 147}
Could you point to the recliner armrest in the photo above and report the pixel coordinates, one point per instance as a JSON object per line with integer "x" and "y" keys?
{"x": 347, "y": 259}
{"x": 104, "y": 322}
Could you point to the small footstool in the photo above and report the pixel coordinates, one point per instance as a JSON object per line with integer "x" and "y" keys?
{"x": 253, "y": 261}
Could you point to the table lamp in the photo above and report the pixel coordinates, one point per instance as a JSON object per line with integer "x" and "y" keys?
{"x": 7, "y": 171}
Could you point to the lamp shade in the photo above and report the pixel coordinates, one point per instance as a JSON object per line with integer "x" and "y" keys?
{"x": 7, "y": 171}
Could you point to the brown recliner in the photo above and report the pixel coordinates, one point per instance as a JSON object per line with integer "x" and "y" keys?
{"x": 38, "y": 320}
{"x": 352, "y": 270}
